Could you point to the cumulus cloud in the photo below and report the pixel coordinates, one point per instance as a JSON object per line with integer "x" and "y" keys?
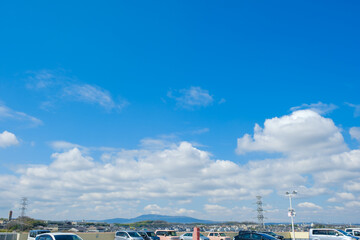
{"x": 309, "y": 205}
{"x": 159, "y": 177}
{"x": 302, "y": 133}
{"x": 320, "y": 108}
{"x": 69, "y": 88}
{"x": 8, "y": 113}
{"x": 8, "y": 139}
{"x": 192, "y": 97}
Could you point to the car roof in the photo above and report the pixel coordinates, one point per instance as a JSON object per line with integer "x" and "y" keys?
{"x": 57, "y": 233}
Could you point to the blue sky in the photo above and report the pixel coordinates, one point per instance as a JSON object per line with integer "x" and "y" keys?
{"x": 124, "y": 108}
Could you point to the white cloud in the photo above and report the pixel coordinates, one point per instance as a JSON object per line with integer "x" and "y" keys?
{"x": 192, "y": 97}
{"x": 309, "y": 205}
{"x": 213, "y": 208}
{"x": 8, "y": 139}
{"x": 8, "y": 113}
{"x": 353, "y": 204}
{"x": 341, "y": 197}
{"x": 155, "y": 209}
{"x": 357, "y": 109}
{"x": 320, "y": 108}
{"x": 346, "y": 196}
{"x": 92, "y": 94}
{"x": 73, "y": 159}
{"x": 63, "y": 145}
{"x": 339, "y": 208}
{"x": 303, "y": 133}
{"x": 162, "y": 175}
{"x": 355, "y": 133}
{"x": 69, "y": 88}
{"x": 352, "y": 185}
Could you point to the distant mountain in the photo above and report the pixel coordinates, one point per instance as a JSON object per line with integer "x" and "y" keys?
{"x": 155, "y": 217}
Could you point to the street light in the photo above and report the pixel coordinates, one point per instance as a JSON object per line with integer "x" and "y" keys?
{"x": 291, "y": 212}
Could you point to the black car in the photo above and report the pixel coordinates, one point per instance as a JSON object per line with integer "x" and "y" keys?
{"x": 274, "y": 235}
{"x": 251, "y": 235}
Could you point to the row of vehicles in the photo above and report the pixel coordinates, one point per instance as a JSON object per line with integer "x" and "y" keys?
{"x": 157, "y": 235}
{"x": 166, "y": 235}
{"x": 254, "y": 235}
{"x": 314, "y": 234}
{"x": 334, "y": 234}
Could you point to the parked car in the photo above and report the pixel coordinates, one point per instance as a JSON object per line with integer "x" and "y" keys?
{"x": 328, "y": 234}
{"x": 33, "y": 233}
{"x": 251, "y": 235}
{"x": 189, "y": 236}
{"x": 353, "y": 231}
{"x": 147, "y": 235}
{"x": 58, "y": 236}
{"x": 348, "y": 234}
{"x": 218, "y": 236}
{"x": 274, "y": 235}
{"x": 127, "y": 235}
{"x": 167, "y": 234}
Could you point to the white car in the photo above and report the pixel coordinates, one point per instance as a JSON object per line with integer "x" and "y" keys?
{"x": 127, "y": 235}
{"x": 58, "y": 236}
{"x": 329, "y": 234}
{"x": 33, "y": 233}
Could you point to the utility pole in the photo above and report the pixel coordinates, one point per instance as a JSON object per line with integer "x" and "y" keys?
{"x": 292, "y": 212}
{"x": 260, "y": 211}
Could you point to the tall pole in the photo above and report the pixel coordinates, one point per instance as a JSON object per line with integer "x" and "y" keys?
{"x": 292, "y": 212}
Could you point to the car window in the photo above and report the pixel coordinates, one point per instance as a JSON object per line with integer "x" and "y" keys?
{"x": 222, "y": 234}
{"x": 356, "y": 233}
{"x": 319, "y": 232}
{"x": 256, "y": 236}
{"x": 151, "y": 234}
{"x": 245, "y": 235}
{"x": 67, "y": 237}
{"x": 133, "y": 234}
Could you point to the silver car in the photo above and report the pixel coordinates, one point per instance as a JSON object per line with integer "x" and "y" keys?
{"x": 127, "y": 235}
{"x": 328, "y": 234}
{"x": 189, "y": 236}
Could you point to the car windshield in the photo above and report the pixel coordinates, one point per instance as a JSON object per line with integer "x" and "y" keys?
{"x": 67, "y": 237}
{"x": 345, "y": 233}
{"x": 134, "y": 234}
{"x": 171, "y": 233}
{"x": 270, "y": 233}
{"x": 151, "y": 234}
{"x": 222, "y": 234}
